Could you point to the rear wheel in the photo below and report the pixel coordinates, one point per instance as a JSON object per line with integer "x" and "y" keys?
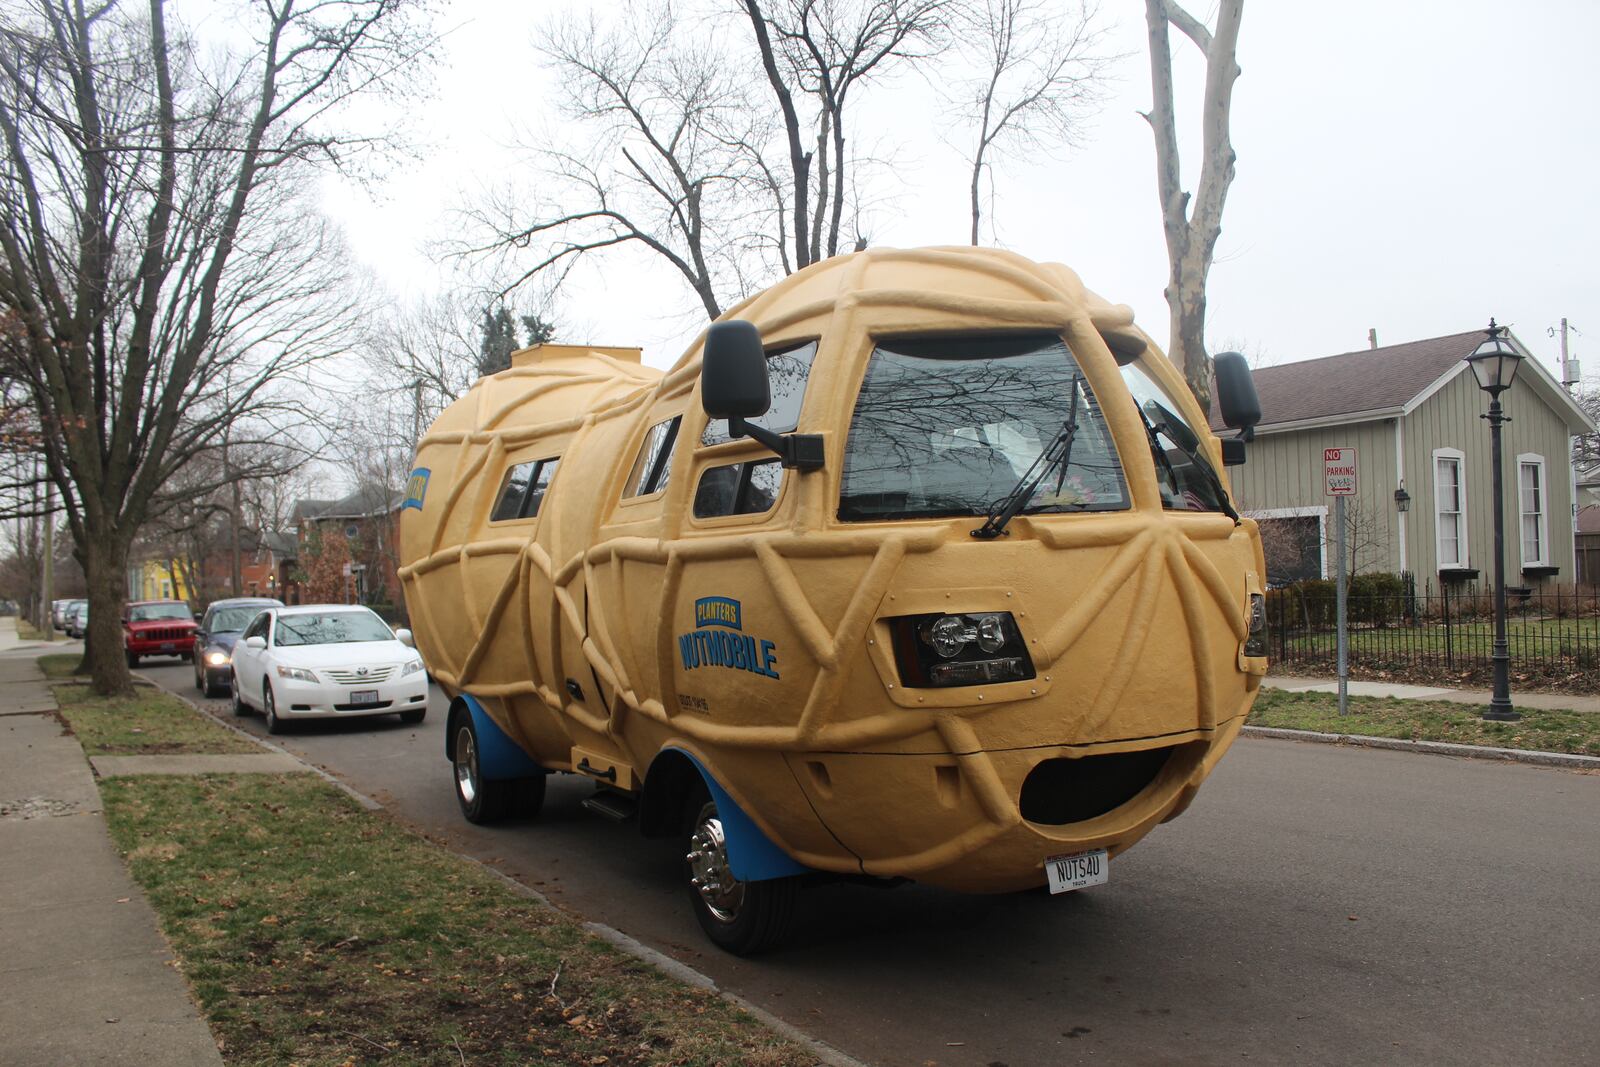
{"x": 269, "y": 710}
{"x": 482, "y": 801}
{"x": 740, "y": 917}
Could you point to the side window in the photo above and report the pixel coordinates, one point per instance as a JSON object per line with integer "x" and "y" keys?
{"x": 259, "y": 627}
{"x": 738, "y": 489}
{"x": 654, "y": 464}
{"x": 523, "y": 490}
{"x": 788, "y": 370}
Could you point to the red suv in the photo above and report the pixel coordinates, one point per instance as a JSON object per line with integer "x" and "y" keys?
{"x": 158, "y": 628}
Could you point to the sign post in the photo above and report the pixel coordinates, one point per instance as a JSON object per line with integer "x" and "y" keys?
{"x": 1339, "y": 481}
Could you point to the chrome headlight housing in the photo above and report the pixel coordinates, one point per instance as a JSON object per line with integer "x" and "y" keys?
{"x": 216, "y": 657}
{"x": 942, "y": 651}
{"x": 1255, "y": 643}
{"x": 411, "y": 666}
{"x": 297, "y": 673}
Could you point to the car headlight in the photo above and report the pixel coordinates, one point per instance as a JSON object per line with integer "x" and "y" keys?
{"x": 411, "y": 667}
{"x": 936, "y": 651}
{"x": 299, "y": 673}
{"x": 1255, "y": 642}
{"x": 216, "y": 657}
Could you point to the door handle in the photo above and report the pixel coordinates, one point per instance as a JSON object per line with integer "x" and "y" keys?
{"x": 609, "y": 774}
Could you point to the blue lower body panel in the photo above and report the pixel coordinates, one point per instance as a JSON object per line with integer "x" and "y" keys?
{"x": 751, "y": 854}
{"x": 500, "y": 759}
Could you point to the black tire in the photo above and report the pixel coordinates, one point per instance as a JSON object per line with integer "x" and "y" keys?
{"x": 743, "y": 918}
{"x": 413, "y": 716}
{"x": 188, "y": 657}
{"x": 210, "y": 688}
{"x": 240, "y": 708}
{"x": 202, "y": 681}
{"x": 484, "y": 802}
{"x": 133, "y": 661}
{"x": 269, "y": 710}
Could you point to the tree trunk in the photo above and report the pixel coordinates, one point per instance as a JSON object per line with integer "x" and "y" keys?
{"x": 106, "y": 566}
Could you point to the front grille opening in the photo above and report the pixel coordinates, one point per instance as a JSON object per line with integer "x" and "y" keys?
{"x": 1061, "y": 791}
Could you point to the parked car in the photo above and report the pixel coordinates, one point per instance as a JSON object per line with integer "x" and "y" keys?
{"x": 326, "y": 661}
{"x": 158, "y": 628}
{"x": 59, "y": 609}
{"x": 78, "y": 619}
{"x": 219, "y": 628}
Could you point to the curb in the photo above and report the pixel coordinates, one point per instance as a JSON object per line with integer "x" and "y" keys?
{"x": 825, "y": 1053}
{"x": 1435, "y": 748}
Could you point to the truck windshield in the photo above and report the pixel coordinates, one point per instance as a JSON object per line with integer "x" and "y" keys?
{"x": 947, "y": 426}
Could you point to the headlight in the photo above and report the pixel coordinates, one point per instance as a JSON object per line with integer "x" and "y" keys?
{"x": 216, "y": 657}
{"x": 299, "y": 673}
{"x": 956, "y": 650}
{"x": 1256, "y": 643}
{"x": 411, "y": 667}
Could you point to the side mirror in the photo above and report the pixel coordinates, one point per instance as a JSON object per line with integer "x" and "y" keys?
{"x": 255, "y": 641}
{"x": 733, "y": 372}
{"x": 1236, "y": 394}
{"x": 404, "y": 637}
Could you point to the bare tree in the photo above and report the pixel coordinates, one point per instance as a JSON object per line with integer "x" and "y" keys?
{"x": 149, "y": 244}
{"x": 1037, "y": 77}
{"x": 818, "y": 57}
{"x": 1192, "y": 232}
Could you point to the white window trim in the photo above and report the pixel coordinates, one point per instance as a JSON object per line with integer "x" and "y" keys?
{"x": 1533, "y": 459}
{"x": 1464, "y": 553}
{"x": 1320, "y": 511}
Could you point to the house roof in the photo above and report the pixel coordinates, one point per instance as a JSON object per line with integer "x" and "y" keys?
{"x": 364, "y": 503}
{"x": 1373, "y": 383}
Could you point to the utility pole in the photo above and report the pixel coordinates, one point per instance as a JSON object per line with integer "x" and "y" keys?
{"x": 1569, "y": 366}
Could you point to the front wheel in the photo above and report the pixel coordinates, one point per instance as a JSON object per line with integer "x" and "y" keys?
{"x": 133, "y": 661}
{"x": 269, "y": 710}
{"x": 740, "y": 917}
{"x": 240, "y": 708}
{"x": 414, "y": 716}
{"x": 484, "y": 802}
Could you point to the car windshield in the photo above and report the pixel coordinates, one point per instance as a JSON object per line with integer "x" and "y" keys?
{"x": 330, "y": 628}
{"x": 232, "y": 620}
{"x": 949, "y": 426}
{"x": 153, "y": 612}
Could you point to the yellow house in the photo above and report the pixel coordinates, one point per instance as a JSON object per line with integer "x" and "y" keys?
{"x": 158, "y": 579}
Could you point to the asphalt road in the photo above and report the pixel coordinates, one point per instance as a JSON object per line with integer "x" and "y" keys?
{"x": 1315, "y": 905}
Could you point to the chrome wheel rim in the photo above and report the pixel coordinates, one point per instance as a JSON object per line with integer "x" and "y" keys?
{"x": 269, "y": 705}
{"x": 466, "y": 765}
{"x": 709, "y": 873}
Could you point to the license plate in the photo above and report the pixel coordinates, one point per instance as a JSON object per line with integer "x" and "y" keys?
{"x": 168, "y": 646}
{"x": 364, "y": 696}
{"x": 1078, "y": 870}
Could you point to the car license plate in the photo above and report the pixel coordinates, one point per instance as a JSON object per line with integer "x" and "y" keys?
{"x": 168, "y": 646}
{"x": 364, "y": 696}
{"x": 1079, "y": 870}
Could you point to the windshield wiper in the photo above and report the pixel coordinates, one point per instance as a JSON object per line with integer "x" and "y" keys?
{"x": 1155, "y": 433}
{"x": 1057, "y": 453}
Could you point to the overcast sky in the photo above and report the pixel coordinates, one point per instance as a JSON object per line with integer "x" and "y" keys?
{"x": 1413, "y": 166}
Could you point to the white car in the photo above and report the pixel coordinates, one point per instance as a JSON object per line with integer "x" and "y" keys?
{"x": 326, "y": 661}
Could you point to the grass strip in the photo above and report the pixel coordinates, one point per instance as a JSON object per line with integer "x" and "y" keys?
{"x": 314, "y": 932}
{"x": 148, "y": 722}
{"x": 1428, "y": 720}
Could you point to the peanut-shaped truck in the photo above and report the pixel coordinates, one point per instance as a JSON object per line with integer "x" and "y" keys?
{"x": 919, "y": 565}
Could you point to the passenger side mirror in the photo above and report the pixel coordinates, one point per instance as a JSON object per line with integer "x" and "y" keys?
{"x": 256, "y": 642}
{"x": 1236, "y": 394}
{"x": 733, "y": 372}
{"x": 404, "y": 637}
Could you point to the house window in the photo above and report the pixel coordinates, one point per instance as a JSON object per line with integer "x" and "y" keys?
{"x": 1450, "y": 507}
{"x": 1531, "y": 489}
{"x": 1294, "y": 541}
{"x": 654, "y": 464}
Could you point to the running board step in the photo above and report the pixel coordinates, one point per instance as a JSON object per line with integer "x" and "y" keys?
{"x": 613, "y": 806}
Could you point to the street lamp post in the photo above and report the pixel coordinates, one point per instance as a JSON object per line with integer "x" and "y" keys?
{"x": 1494, "y": 363}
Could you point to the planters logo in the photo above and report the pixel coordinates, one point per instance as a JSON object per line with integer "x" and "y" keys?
{"x": 710, "y": 644}
{"x": 416, "y": 489}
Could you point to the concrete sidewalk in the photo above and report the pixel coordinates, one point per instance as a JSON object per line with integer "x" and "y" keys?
{"x": 88, "y": 977}
{"x": 1545, "y": 701}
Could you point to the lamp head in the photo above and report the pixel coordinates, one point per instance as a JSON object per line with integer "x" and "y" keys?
{"x": 1494, "y": 362}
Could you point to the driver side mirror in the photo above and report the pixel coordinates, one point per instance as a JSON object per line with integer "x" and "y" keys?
{"x": 734, "y": 386}
{"x": 1236, "y": 394}
{"x": 256, "y": 642}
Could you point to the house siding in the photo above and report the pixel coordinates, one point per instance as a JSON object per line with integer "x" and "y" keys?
{"x": 1285, "y": 470}
{"x": 1450, "y": 419}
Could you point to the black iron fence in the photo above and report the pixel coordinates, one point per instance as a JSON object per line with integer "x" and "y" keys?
{"x": 1438, "y": 633}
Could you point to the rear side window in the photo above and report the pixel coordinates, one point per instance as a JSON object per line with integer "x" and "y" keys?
{"x": 653, "y": 465}
{"x": 788, "y": 370}
{"x": 738, "y": 489}
{"x": 523, "y": 490}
